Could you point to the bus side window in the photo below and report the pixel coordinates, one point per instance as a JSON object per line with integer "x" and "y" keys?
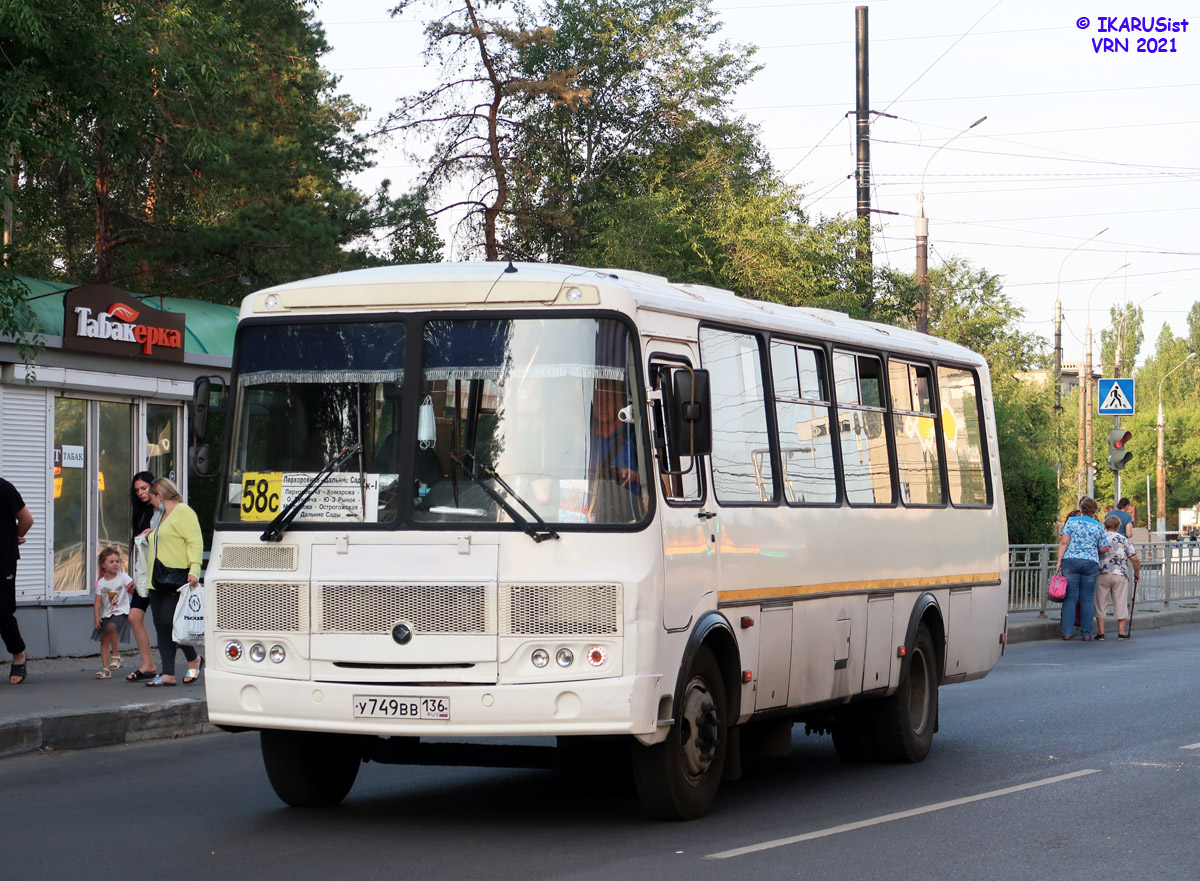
{"x": 680, "y": 475}
{"x": 802, "y": 414}
{"x": 962, "y": 427}
{"x": 866, "y": 465}
{"x": 914, "y": 425}
{"x": 742, "y": 468}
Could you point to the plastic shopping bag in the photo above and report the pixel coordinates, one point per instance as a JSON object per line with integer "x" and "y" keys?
{"x": 188, "y": 627}
{"x": 141, "y": 566}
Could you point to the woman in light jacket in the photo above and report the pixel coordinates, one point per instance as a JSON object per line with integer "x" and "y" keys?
{"x": 177, "y": 544}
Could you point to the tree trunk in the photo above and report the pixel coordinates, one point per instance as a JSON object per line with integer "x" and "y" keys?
{"x": 103, "y": 233}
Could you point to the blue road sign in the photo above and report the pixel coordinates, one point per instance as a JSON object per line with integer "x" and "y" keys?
{"x": 1115, "y": 397}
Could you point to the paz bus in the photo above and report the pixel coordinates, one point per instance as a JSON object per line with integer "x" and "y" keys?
{"x": 471, "y": 501}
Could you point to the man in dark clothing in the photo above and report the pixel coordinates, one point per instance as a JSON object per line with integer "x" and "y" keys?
{"x": 15, "y": 521}
{"x": 1122, "y": 514}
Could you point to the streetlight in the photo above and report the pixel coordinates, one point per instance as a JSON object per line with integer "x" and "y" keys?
{"x": 1161, "y": 464}
{"x": 923, "y": 238}
{"x": 1085, "y": 395}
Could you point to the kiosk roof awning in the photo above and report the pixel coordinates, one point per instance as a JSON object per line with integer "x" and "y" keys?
{"x": 210, "y": 326}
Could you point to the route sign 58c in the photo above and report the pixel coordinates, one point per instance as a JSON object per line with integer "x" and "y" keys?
{"x": 261, "y": 491}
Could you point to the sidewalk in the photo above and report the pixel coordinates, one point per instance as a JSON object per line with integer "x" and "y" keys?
{"x": 62, "y": 706}
{"x": 1028, "y": 626}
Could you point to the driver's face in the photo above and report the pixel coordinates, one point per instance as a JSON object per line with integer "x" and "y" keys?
{"x": 606, "y": 404}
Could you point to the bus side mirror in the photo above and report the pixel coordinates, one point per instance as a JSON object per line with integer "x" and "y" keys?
{"x": 690, "y": 413}
{"x": 200, "y": 461}
{"x": 202, "y": 390}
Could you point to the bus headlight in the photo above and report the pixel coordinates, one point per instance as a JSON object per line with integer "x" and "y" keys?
{"x": 258, "y": 651}
{"x": 564, "y": 657}
{"x": 277, "y": 654}
{"x": 596, "y": 656}
{"x": 539, "y": 658}
{"x": 233, "y": 650}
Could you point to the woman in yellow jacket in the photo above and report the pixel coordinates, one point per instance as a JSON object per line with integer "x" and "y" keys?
{"x": 176, "y": 555}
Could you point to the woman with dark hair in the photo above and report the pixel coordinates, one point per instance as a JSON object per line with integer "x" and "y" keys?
{"x": 1083, "y": 540}
{"x": 142, "y": 518}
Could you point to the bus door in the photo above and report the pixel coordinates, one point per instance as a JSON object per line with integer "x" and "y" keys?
{"x": 689, "y": 522}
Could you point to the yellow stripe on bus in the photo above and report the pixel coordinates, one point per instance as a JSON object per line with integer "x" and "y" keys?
{"x": 797, "y": 590}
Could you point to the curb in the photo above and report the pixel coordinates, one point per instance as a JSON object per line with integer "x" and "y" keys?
{"x": 1143, "y": 619}
{"x": 131, "y": 724}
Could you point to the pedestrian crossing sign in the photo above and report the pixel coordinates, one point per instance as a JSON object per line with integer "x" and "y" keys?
{"x": 1115, "y": 397}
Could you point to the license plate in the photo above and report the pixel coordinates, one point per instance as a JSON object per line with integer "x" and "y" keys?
{"x": 374, "y": 707}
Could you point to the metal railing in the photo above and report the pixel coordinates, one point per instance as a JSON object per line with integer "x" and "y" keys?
{"x": 1170, "y": 572}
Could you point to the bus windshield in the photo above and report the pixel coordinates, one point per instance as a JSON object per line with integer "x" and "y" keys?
{"x": 510, "y": 417}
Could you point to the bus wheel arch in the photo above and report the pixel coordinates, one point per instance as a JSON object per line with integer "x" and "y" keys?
{"x": 678, "y": 778}
{"x": 906, "y": 720}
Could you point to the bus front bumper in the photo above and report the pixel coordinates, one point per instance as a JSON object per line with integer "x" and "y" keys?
{"x": 624, "y": 705}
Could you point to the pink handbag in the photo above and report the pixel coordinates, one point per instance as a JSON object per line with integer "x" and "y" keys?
{"x": 1058, "y": 587}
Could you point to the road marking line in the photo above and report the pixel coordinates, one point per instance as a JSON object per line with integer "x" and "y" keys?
{"x": 899, "y": 815}
{"x": 1191, "y": 746}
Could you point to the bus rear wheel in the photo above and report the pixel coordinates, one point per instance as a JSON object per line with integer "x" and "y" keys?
{"x": 907, "y": 719}
{"x": 678, "y": 778}
{"x": 308, "y": 769}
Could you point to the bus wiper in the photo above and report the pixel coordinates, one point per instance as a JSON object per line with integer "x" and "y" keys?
{"x": 538, "y": 533}
{"x": 274, "y": 532}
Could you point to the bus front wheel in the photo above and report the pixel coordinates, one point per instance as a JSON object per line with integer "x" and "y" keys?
{"x": 908, "y": 718}
{"x": 310, "y": 770}
{"x": 678, "y": 778}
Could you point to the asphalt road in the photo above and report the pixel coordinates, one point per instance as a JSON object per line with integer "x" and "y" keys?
{"x": 1070, "y": 761}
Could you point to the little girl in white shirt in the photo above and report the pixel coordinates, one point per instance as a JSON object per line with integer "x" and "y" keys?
{"x": 113, "y": 590}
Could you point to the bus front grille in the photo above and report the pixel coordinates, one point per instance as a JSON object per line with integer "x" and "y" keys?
{"x": 560, "y": 609}
{"x": 429, "y": 608}
{"x": 260, "y": 606}
{"x": 259, "y": 556}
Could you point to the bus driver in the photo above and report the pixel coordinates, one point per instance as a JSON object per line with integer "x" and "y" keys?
{"x": 615, "y": 491}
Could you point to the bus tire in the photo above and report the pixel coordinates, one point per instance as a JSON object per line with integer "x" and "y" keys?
{"x": 853, "y": 735}
{"x": 678, "y": 778}
{"x": 908, "y": 718}
{"x": 310, "y": 770}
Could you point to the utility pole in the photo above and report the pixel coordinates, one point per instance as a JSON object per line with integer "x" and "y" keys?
{"x": 1162, "y": 463}
{"x": 1088, "y": 447}
{"x": 1058, "y": 407}
{"x": 1117, "y": 419}
{"x": 1081, "y": 479}
{"x": 923, "y": 237}
{"x": 864, "y": 260}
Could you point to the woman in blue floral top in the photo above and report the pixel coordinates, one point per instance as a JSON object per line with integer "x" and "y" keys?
{"x": 1083, "y": 540}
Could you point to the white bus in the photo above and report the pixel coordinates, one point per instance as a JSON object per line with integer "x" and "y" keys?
{"x": 466, "y": 501}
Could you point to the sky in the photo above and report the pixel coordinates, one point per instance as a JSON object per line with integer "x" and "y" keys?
{"x": 1076, "y": 139}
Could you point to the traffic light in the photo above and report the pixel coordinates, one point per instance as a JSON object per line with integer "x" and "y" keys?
{"x": 1119, "y": 453}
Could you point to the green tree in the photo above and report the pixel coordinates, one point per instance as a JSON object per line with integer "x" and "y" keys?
{"x": 156, "y": 134}
{"x": 655, "y": 79}
{"x": 469, "y": 120}
{"x": 969, "y": 307}
{"x": 1123, "y": 335}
